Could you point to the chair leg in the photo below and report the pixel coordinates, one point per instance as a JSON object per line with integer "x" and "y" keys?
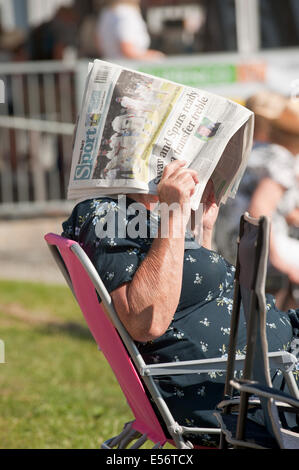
{"x": 139, "y": 442}
{"x": 240, "y": 433}
{"x": 122, "y": 440}
{"x": 223, "y": 442}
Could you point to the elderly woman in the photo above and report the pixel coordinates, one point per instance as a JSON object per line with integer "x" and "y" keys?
{"x": 173, "y": 296}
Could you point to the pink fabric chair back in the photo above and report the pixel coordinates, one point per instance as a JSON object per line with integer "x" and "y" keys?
{"x": 109, "y": 341}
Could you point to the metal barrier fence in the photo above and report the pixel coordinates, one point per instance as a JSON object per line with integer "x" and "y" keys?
{"x": 36, "y": 126}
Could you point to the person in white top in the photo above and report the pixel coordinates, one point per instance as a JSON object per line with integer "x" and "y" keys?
{"x": 270, "y": 184}
{"x": 122, "y": 32}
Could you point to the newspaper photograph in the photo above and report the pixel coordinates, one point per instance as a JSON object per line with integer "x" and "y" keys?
{"x": 131, "y": 125}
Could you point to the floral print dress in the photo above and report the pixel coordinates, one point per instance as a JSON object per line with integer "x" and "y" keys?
{"x": 201, "y": 325}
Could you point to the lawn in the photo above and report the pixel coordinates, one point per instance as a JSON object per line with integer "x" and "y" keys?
{"x": 56, "y": 388}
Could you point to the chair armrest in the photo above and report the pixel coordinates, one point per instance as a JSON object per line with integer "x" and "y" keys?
{"x": 264, "y": 391}
{"x": 277, "y": 360}
{"x": 234, "y": 403}
{"x": 186, "y": 367}
{"x": 199, "y": 366}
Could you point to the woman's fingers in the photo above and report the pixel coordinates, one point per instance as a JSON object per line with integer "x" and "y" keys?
{"x": 185, "y": 173}
{"x": 172, "y": 167}
{"x": 177, "y": 183}
{"x": 176, "y": 169}
{"x": 185, "y": 182}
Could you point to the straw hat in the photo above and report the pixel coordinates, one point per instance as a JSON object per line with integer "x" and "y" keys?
{"x": 281, "y": 111}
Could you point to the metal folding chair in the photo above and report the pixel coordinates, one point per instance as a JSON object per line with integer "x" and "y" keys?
{"x": 255, "y": 387}
{"x": 153, "y": 419}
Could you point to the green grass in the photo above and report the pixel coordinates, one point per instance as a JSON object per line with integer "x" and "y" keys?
{"x": 56, "y": 389}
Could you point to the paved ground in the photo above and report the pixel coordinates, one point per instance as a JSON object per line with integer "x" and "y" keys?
{"x": 23, "y": 252}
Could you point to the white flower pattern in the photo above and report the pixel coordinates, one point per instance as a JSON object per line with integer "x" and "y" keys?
{"x": 204, "y": 346}
{"x": 214, "y": 257}
{"x": 201, "y": 391}
{"x": 130, "y": 268}
{"x": 112, "y": 242}
{"x": 109, "y": 276}
{"x": 179, "y": 392}
{"x": 225, "y": 331}
{"x": 198, "y": 279}
{"x": 179, "y": 334}
{"x": 209, "y": 296}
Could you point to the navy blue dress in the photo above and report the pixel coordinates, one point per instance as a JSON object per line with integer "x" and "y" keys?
{"x": 201, "y": 325}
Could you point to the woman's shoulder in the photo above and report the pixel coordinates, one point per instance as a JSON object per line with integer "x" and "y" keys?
{"x": 87, "y": 210}
{"x": 110, "y": 218}
{"x": 92, "y": 205}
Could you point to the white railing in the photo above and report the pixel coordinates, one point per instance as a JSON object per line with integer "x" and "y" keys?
{"x": 36, "y": 127}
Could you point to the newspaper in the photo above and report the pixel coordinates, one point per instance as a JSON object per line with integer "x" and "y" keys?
{"x": 131, "y": 125}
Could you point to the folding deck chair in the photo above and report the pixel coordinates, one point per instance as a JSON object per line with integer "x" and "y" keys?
{"x": 255, "y": 387}
{"x": 152, "y": 418}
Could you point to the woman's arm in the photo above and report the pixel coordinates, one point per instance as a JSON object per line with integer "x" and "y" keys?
{"x": 147, "y": 304}
{"x": 264, "y": 202}
{"x": 130, "y": 51}
{"x": 266, "y": 197}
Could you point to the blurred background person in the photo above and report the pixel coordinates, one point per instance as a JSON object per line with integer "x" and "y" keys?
{"x": 12, "y": 43}
{"x": 279, "y": 23}
{"x": 122, "y": 33}
{"x": 269, "y": 186}
{"x": 219, "y": 31}
{"x": 53, "y": 38}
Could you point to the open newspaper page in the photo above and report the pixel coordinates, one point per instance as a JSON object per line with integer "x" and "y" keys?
{"x": 132, "y": 124}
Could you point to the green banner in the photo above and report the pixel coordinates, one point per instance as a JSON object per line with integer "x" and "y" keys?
{"x": 194, "y": 75}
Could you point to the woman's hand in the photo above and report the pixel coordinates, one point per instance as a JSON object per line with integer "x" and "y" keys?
{"x": 177, "y": 183}
{"x": 210, "y": 208}
{"x": 175, "y": 189}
